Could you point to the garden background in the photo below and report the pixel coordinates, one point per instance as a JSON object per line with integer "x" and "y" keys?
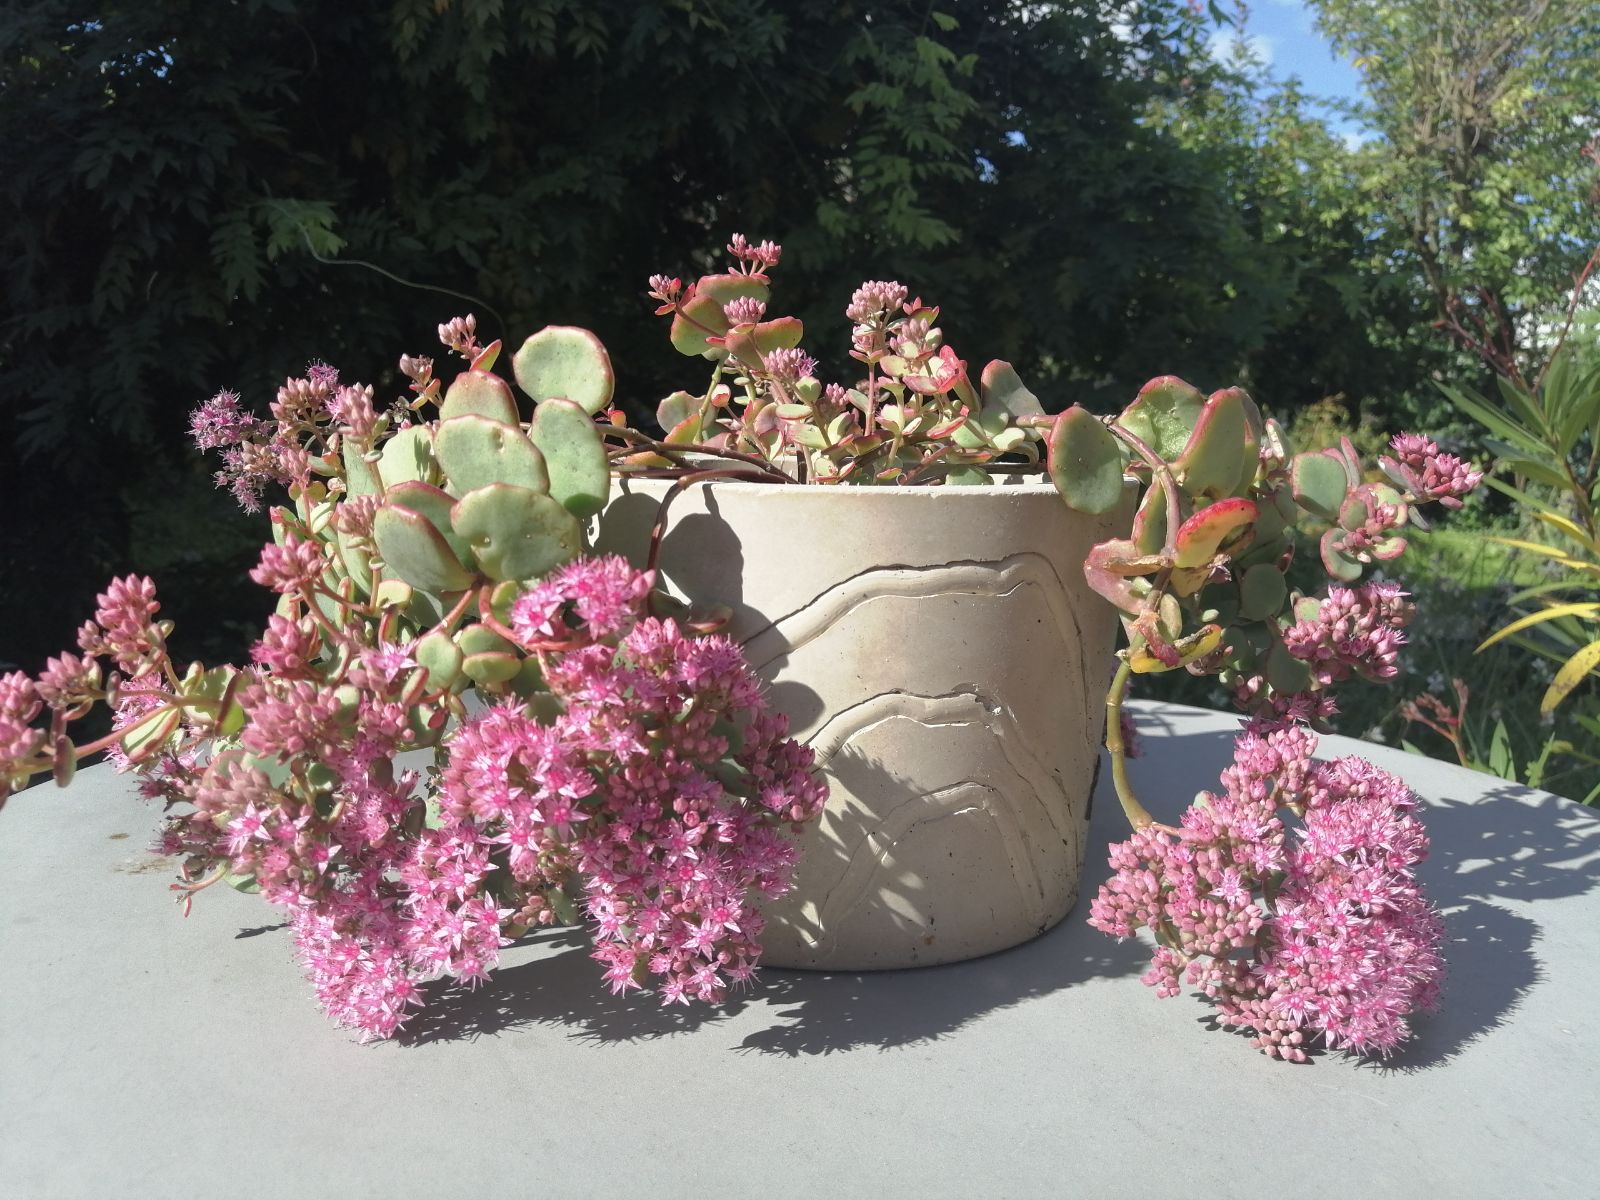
{"x": 203, "y": 195}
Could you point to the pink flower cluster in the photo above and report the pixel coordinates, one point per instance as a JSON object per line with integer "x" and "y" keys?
{"x": 256, "y": 453}
{"x": 19, "y": 740}
{"x": 1323, "y": 933}
{"x": 1430, "y": 474}
{"x": 124, "y": 626}
{"x": 1355, "y": 631}
{"x": 656, "y": 791}
{"x": 876, "y": 300}
{"x": 664, "y": 786}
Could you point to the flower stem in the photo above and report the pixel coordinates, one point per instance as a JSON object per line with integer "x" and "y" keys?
{"x": 1136, "y": 813}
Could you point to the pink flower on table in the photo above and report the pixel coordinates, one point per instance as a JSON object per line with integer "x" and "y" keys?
{"x": 1346, "y": 950}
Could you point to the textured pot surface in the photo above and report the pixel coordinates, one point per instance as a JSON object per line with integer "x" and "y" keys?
{"x": 940, "y": 651}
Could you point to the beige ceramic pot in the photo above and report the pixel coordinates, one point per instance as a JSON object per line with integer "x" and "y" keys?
{"x": 940, "y": 651}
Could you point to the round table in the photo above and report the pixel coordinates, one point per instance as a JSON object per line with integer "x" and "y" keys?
{"x": 146, "y": 1055}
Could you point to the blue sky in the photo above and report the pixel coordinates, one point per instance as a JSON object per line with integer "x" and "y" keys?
{"x": 1283, "y": 34}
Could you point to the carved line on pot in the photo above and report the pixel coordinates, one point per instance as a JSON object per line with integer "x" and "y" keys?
{"x": 951, "y": 800}
{"x": 995, "y": 577}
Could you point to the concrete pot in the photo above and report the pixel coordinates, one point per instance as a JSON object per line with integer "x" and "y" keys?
{"x": 939, "y": 649}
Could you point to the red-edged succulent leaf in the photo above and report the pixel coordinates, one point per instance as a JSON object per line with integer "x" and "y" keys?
{"x": 750, "y": 343}
{"x": 1214, "y": 456}
{"x": 701, "y": 317}
{"x": 1344, "y": 567}
{"x": 565, "y": 362}
{"x": 1121, "y": 557}
{"x": 1163, "y": 415}
{"x": 938, "y": 376}
{"x": 1120, "y": 592}
{"x": 1004, "y": 391}
{"x": 1254, "y": 434}
{"x": 1389, "y": 549}
{"x": 1202, "y": 535}
{"x": 1150, "y": 522}
{"x": 487, "y": 356}
{"x": 482, "y": 394}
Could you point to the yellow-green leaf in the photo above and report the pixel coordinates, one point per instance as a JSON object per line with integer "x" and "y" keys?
{"x": 1572, "y": 673}
{"x": 1586, "y": 609}
{"x": 1571, "y": 528}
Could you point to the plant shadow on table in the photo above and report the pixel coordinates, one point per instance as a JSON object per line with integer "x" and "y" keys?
{"x": 817, "y": 1012}
{"x": 1513, "y": 844}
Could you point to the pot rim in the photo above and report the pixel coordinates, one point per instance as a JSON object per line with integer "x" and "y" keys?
{"x": 1008, "y": 484}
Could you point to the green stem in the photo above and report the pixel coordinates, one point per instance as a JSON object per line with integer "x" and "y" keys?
{"x": 1136, "y": 813}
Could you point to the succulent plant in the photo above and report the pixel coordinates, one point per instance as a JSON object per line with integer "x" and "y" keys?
{"x": 915, "y": 416}
{"x": 1201, "y": 579}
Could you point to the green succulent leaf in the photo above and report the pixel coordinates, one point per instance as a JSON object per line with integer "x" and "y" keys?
{"x": 1319, "y": 483}
{"x": 1085, "y": 462}
{"x": 1004, "y": 392}
{"x": 1163, "y": 415}
{"x": 574, "y": 454}
{"x": 441, "y": 658}
{"x": 476, "y": 451}
{"x": 1214, "y": 457}
{"x": 480, "y": 393}
{"x": 565, "y": 361}
{"x": 516, "y": 533}
{"x": 408, "y": 457}
{"x": 414, "y": 549}
{"x": 435, "y": 504}
{"x": 491, "y": 668}
{"x": 1262, "y": 591}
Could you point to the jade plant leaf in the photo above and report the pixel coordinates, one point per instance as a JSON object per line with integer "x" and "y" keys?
{"x": 1262, "y": 591}
{"x": 1163, "y": 415}
{"x": 476, "y": 451}
{"x": 1085, "y": 462}
{"x": 408, "y": 456}
{"x": 416, "y": 551}
{"x": 1319, "y": 483}
{"x": 1214, "y": 457}
{"x": 1202, "y": 535}
{"x": 435, "y": 504}
{"x": 748, "y": 345}
{"x": 441, "y": 658}
{"x": 574, "y": 454}
{"x": 516, "y": 533}
{"x": 1004, "y": 391}
{"x": 565, "y": 361}
{"x": 481, "y": 393}
{"x": 1344, "y": 567}
{"x": 702, "y": 317}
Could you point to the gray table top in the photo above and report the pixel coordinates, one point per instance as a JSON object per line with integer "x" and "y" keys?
{"x": 145, "y": 1055}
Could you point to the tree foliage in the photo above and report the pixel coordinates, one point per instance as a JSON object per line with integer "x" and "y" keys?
{"x": 204, "y": 195}
{"x": 1485, "y": 181}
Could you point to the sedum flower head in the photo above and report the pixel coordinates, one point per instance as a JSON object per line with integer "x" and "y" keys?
{"x": 1320, "y": 932}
